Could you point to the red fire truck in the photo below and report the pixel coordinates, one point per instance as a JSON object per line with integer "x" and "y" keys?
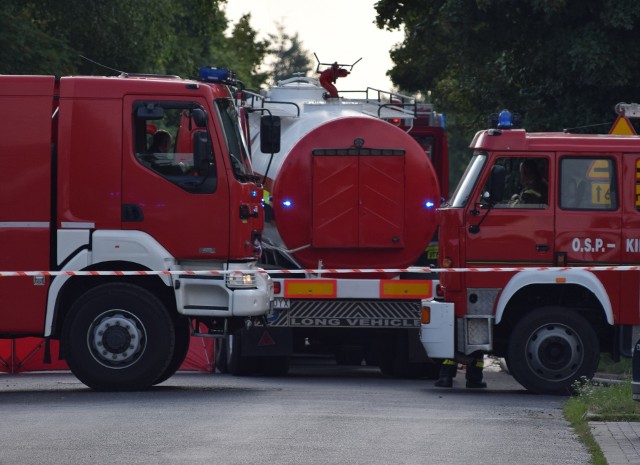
{"x": 351, "y": 185}
{"x": 533, "y": 248}
{"x": 116, "y": 236}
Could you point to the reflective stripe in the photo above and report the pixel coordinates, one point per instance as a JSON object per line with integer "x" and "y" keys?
{"x": 78, "y": 225}
{"x": 310, "y": 288}
{"x": 24, "y": 224}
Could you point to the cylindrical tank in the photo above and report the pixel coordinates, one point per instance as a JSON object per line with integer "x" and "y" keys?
{"x": 347, "y": 189}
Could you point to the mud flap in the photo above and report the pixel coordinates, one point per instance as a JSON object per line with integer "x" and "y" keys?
{"x": 259, "y": 341}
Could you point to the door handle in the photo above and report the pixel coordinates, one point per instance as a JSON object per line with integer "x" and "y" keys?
{"x": 542, "y": 247}
{"x": 132, "y": 212}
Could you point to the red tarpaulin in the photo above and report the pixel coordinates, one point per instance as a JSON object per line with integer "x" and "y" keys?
{"x": 30, "y": 353}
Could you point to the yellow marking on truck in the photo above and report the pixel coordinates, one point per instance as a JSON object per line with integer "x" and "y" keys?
{"x": 599, "y": 170}
{"x": 638, "y": 184}
{"x": 314, "y": 288}
{"x": 406, "y": 289}
{"x": 600, "y": 193}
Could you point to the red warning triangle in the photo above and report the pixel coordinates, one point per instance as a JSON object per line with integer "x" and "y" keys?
{"x": 266, "y": 340}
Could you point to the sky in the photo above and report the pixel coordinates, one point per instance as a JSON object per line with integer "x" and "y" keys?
{"x": 336, "y": 30}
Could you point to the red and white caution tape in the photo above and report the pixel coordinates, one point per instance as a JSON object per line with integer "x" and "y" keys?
{"x": 460, "y": 270}
{"x": 4, "y": 274}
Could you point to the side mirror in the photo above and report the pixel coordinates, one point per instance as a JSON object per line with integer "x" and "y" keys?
{"x": 199, "y": 117}
{"x": 270, "y": 134}
{"x": 202, "y": 150}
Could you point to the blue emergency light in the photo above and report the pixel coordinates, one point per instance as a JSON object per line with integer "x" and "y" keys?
{"x": 287, "y": 203}
{"x": 429, "y": 204}
{"x": 221, "y": 75}
{"x": 504, "y": 120}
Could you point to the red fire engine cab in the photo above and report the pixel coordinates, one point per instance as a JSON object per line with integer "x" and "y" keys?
{"x": 533, "y": 248}
{"x": 352, "y": 184}
{"x": 126, "y": 242}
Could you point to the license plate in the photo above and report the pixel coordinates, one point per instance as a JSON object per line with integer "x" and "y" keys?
{"x": 279, "y": 302}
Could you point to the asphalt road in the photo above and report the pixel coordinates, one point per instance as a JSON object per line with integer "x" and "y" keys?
{"x": 319, "y": 414}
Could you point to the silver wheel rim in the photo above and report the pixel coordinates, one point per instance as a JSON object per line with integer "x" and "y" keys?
{"x": 116, "y": 339}
{"x": 554, "y": 352}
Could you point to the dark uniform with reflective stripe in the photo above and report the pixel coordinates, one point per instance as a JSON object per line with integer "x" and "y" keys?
{"x": 474, "y": 378}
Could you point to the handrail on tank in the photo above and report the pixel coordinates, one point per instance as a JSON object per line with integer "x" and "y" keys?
{"x": 383, "y": 99}
{"x": 254, "y": 97}
{"x": 391, "y": 100}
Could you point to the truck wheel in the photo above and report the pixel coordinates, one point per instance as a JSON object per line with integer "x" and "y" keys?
{"x": 393, "y": 359}
{"x": 275, "y": 366}
{"x": 551, "y": 348}
{"x": 220, "y": 354}
{"x": 237, "y": 364}
{"x": 118, "y": 337}
{"x": 183, "y": 338}
{"x": 349, "y": 355}
{"x": 386, "y": 356}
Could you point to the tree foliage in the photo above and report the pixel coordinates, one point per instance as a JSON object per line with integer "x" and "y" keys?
{"x": 246, "y": 61}
{"x": 559, "y": 63}
{"x": 145, "y": 36}
{"x": 289, "y": 55}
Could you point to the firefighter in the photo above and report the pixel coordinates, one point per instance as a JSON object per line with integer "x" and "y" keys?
{"x": 534, "y": 187}
{"x": 474, "y": 378}
{"x": 161, "y": 142}
{"x": 329, "y": 76}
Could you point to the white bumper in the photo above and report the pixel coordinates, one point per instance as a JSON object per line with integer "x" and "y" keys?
{"x": 211, "y": 296}
{"x": 437, "y": 336}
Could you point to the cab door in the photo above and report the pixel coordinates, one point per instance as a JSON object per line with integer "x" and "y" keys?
{"x": 589, "y": 220}
{"x": 180, "y": 196}
{"x": 518, "y": 228}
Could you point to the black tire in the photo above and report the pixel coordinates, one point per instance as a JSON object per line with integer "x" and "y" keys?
{"x": 386, "y": 366}
{"x": 118, "y": 337}
{"x": 349, "y": 355}
{"x": 551, "y": 348}
{"x": 393, "y": 360}
{"x": 238, "y": 364}
{"x": 183, "y": 338}
{"x": 220, "y": 355}
{"x": 275, "y": 366}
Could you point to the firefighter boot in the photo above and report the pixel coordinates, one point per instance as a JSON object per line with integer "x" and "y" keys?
{"x": 447, "y": 373}
{"x": 474, "y": 374}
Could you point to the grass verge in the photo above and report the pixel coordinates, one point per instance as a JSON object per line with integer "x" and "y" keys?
{"x": 594, "y": 401}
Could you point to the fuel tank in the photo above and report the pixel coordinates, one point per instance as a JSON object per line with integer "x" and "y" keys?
{"x": 348, "y": 189}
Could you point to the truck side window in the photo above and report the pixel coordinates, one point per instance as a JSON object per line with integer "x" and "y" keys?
{"x": 238, "y": 152}
{"x": 168, "y": 142}
{"x": 588, "y": 184}
{"x": 525, "y": 183}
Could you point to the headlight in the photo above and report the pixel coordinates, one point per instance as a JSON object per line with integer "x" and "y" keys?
{"x": 241, "y": 280}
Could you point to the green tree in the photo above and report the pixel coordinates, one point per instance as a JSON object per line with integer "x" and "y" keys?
{"x": 246, "y": 53}
{"x": 146, "y": 36}
{"x": 288, "y": 55}
{"x": 559, "y": 63}
{"x": 26, "y": 48}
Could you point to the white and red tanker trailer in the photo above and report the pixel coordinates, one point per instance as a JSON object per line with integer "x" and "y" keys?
{"x": 351, "y": 183}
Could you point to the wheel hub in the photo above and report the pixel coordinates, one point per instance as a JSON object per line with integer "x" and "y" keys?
{"x": 116, "y": 338}
{"x": 554, "y": 352}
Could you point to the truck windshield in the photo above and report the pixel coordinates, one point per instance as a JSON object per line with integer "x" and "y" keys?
{"x": 461, "y": 195}
{"x": 233, "y": 138}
